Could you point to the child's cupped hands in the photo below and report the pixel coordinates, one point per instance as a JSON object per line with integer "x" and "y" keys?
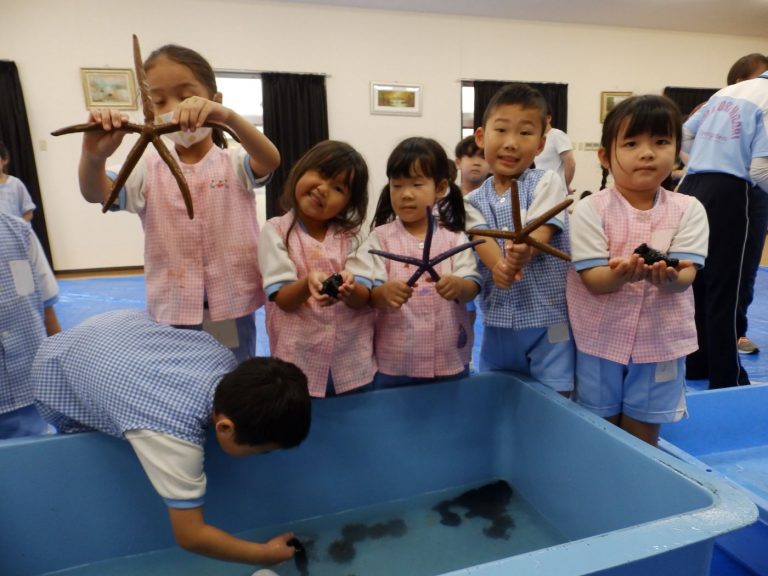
{"x": 630, "y": 269}
{"x": 662, "y": 275}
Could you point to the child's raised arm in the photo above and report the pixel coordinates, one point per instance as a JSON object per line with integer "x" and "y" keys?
{"x": 193, "y": 534}
{"x": 194, "y": 111}
{"x": 95, "y": 185}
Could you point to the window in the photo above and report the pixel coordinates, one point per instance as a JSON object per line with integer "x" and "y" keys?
{"x": 467, "y": 109}
{"x": 242, "y": 93}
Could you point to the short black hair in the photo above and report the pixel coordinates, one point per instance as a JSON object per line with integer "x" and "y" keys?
{"x": 467, "y": 147}
{"x": 268, "y": 401}
{"x": 521, "y": 94}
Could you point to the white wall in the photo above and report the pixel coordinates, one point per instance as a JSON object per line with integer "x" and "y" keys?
{"x": 50, "y": 40}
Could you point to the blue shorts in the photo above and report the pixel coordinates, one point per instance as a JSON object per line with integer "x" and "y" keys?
{"x": 652, "y": 392}
{"x": 546, "y": 354}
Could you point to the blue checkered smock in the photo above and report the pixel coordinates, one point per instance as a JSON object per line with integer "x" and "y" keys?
{"x": 21, "y": 315}
{"x": 538, "y": 300}
{"x": 121, "y": 371}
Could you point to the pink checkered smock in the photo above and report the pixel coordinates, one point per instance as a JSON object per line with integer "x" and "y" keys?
{"x": 321, "y": 340}
{"x": 639, "y": 321}
{"x": 214, "y": 255}
{"x": 428, "y": 336}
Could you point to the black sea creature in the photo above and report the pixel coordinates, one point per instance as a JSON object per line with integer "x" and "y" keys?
{"x": 344, "y": 550}
{"x": 331, "y": 285}
{"x": 489, "y": 501}
{"x": 300, "y": 557}
{"x": 651, "y": 256}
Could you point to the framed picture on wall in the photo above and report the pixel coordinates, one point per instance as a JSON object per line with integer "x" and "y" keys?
{"x": 109, "y": 88}
{"x": 397, "y": 99}
{"x": 608, "y": 100}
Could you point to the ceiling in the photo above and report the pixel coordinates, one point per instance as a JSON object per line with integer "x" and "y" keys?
{"x": 731, "y": 17}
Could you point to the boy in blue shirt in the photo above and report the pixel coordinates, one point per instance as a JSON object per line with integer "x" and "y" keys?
{"x": 28, "y": 291}
{"x": 161, "y": 388}
{"x": 526, "y": 325}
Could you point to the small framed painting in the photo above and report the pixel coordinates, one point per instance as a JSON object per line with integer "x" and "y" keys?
{"x": 608, "y": 100}
{"x": 109, "y": 88}
{"x": 397, "y": 99}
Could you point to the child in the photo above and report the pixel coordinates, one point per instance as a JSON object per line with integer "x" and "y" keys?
{"x": 14, "y": 197}
{"x": 326, "y": 195}
{"x": 161, "y": 388}
{"x": 424, "y": 332}
{"x": 28, "y": 291}
{"x": 633, "y": 320}
{"x": 204, "y": 270}
{"x": 471, "y": 163}
{"x": 526, "y": 326}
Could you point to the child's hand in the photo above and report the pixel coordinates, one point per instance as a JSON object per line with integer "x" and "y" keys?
{"x": 193, "y": 112}
{"x": 632, "y": 269}
{"x": 348, "y": 286}
{"x": 517, "y": 255}
{"x": 509, "y": 268}
{"x": 395, "y": 293}
{"x": 277, "y": 550}
{"x": 449, "y": 287}
{"x": 102, "y": 145}
{"x": 315, "y": 284}
{"x": 662, "y": 275}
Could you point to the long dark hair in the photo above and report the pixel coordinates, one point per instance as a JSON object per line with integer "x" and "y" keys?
{"x": 200, "y": 69}
{"x": 332, "y": 158}
{"x": 425, "y": 157}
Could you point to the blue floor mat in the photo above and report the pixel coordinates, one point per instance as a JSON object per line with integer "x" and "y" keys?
{"x": 84, "y": 297}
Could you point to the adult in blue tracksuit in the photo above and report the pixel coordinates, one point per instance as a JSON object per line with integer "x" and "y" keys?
{"x": 727, "y": 142}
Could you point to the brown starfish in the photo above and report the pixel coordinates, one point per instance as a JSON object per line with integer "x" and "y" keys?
{"x": 149, "y": 132}
{"x": 521, "y": 235}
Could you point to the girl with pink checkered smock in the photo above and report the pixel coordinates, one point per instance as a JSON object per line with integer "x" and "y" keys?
{"x": 632, "y": 320}
{"x": 200, "y": 273}
{"x": 325, "y": 328}
{"x": 422, "y": 332}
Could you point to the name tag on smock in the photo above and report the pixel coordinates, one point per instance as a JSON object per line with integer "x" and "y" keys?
{"x": 22, "y": 277}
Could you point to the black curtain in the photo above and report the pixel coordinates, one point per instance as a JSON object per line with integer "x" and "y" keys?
{"x": 295, "y": 119}
{"x": 688, "y": 98}
{"x": 14, "y": 132}
{"x": 555, "y": 94}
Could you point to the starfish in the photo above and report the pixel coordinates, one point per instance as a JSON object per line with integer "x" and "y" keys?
{"x": 521, "y": 235}
{"x": 149, "y": 132}
{"x": 425, "y": 264}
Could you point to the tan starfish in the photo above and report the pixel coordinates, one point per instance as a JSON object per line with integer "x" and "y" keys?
{"x": 521, "y": 235}
{"x": 149, "y": 132}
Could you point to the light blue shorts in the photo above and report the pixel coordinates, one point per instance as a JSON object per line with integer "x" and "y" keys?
{"x": 653, "y": 392}
{"x": 546, "y": 354}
